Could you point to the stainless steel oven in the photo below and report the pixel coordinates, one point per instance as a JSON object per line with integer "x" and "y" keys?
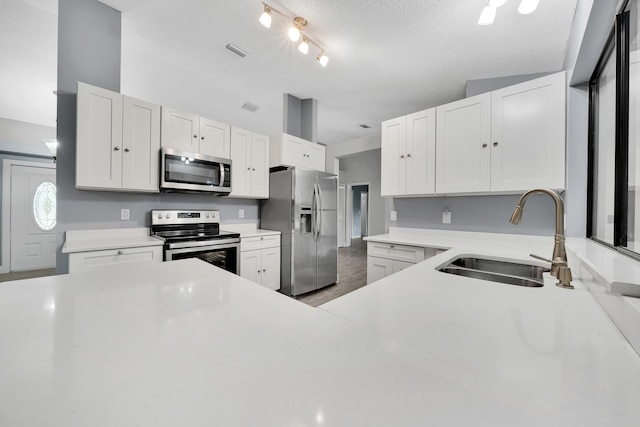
{"x": 194, "y": 173}
{"x": 196, "y": 234}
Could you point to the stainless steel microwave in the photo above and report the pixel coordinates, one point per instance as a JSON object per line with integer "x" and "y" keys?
{"x": 194, "y": 173}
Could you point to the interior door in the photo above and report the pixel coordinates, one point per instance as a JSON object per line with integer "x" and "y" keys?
{"x": 33, "y": 217}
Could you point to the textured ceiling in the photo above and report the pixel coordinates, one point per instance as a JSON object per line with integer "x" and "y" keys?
{"x": 387, "y": 58}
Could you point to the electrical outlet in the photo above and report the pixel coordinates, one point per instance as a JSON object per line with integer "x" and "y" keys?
{"x": 241, "y": 213}
{"x": 124, "y": 214}
{"x": 446, "y": 216}
{"x": 394, "y": 215}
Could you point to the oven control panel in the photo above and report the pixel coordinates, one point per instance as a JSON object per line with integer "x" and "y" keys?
{"x": 169, "y": 217}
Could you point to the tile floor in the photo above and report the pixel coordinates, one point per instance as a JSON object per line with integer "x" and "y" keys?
{"x": 19, "y": 275}
{"x": 352, "y": 274}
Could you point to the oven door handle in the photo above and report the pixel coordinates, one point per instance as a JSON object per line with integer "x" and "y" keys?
{"x": 215, "y": 244}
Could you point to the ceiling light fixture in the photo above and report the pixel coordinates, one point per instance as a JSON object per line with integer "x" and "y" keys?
{"x": 527, "y": 6}
{"x": 265, "y": 18}
{"x": 488, "y": 15}
{"x": 297, "y": 28}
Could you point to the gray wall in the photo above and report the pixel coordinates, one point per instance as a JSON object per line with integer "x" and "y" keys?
{"x": 365, "y": 168}
{"x": 89, "y": 51}
{"x": 476, "y": 87}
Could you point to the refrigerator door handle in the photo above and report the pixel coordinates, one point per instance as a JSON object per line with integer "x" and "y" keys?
{"x": 318, "y": 210}
{"x": 313, "y": 213}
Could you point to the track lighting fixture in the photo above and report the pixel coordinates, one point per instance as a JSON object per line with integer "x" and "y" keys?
{"x": 489, "y": 12}
{"x": 296, "y": 30}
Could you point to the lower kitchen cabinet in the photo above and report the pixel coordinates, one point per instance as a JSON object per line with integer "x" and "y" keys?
{"x": 260, "y": 260}
{"x": 385, "y": 259}
{"x": 87, "y": 261}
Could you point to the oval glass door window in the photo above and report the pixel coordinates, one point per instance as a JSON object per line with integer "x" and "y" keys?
{"x": 44, "y": 206}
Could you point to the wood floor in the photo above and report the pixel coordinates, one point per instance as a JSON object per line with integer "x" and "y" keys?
{"x": 19, "y": 275}
{"x": 352, "y": 274}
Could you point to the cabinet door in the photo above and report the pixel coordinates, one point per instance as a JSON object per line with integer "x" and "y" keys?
{"x": 313, "y": 156}
{"x": 393, "y": 149}
{"x": 180, "y": 130}
{"x": 99, "y": 138}
{"x": 401, "y": 265}
{"x": 259, "y": 184}
{"x": 92, "y": 260}
{"x": 251, "y": 265}
{"x": 420, "y": 156}
{"x": 462, "y": 145}
{"x": 215, "y": 138}
{"x": 378, "y": 268}
{"x": 240, "y": 157}
{"x": 271, "y": 268}
{"x": 141, "y": 145}
{"x": 292, "y": 150}
{"x": 528, "y": 135}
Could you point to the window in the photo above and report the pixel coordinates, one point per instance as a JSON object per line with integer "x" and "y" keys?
{"x": 44, "y": 206}
{"x": 614, "y": 145}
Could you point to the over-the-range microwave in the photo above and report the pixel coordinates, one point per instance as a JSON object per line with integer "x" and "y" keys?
{"x": 194, "y": 173}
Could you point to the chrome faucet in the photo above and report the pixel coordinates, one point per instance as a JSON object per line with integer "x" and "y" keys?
{"x": 559, "y": 266}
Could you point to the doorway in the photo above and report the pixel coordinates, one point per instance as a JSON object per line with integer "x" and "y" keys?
{"x": 28, "y": 216}
{"x": 357, "y": 224}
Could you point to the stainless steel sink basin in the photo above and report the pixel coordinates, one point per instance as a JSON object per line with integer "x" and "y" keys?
{"x": 509, "y": 272}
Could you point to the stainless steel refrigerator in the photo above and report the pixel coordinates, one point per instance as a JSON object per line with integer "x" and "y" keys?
{"x": 302, "y": 205}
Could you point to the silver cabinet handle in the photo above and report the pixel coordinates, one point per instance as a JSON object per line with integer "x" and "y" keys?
{"x": 253, "y": 169}
{"x": 202, "y": 138}
{"x": 408, "y": 155}
{"x": 259, "y": 271}
{"x": 116, "y": 148}
{"x": 495, "y": 144}
{"x": 262, "y": 238}
{"x": 120, "y": 252}
{"x": 392, "y": 246}
{"x": 484, "y": 145}
{"x": 402, "y": 156}
{"x": 248, "y": 169}
{"x": 126, "y": 150}
{"x": 264, "y": 269}
{"x": 195, "y": 136}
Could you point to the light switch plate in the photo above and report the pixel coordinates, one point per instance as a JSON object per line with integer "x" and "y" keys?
{"x": 394, "y": 215}
{"x": 241, "y": 213}
{"x": 124, "y": 214}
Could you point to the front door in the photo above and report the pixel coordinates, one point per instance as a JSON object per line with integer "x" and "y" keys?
{"x": 33, "y": 217}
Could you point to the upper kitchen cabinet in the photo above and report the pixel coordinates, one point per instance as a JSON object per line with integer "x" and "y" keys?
{"x": 289, "y": 150}
{"x": 250, "y": 167}
{"x": 118, "y": 140}
{"x": 462, "y": 145}
{"x": 505, "y": 141}
{"x": 408, "y": 154}
{"x": 195, "y": 134}
{"x": 528, "y": 135}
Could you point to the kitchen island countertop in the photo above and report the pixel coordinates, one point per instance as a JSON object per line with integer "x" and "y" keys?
{"x": 185, "y": 343}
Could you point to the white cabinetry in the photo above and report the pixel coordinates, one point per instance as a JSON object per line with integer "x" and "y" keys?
{"x": 260, "y": 260}
{"x": 250, "y": 168}
{"x": 91, "y": 249}
{"x": 91, "y": 260}
{"x": 117, "y": 143}
{"x": 509, "y": 140}
{"x": 384, "y": 259}
{"x": 289, "y": 150}
{"x": 408, "y": 154}
{"x": 195, "y": 134}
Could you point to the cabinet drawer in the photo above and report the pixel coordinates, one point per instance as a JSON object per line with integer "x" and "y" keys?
{"x": 86, "y": 261}
{"x": 413, "y": 254}
{"x": 251, "y": 243}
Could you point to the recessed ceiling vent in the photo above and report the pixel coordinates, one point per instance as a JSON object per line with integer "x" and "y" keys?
{"x": 250, "y": 107}
{"x": 363, "y": 126}
{"x": 237, "y": 50}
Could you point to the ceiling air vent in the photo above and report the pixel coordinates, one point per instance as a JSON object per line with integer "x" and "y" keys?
{"x": 365, "y": 126}
{"x": 250, "y": 107}
{"x": 237, "y": 50}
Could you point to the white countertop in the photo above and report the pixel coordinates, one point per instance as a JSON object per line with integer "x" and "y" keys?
{"x": 185, "y": 343}
{"x": 248, "y": 230}
{"x": 106, "y": 239}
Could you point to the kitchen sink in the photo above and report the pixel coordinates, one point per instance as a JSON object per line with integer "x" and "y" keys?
{"x": 509, "y": 272}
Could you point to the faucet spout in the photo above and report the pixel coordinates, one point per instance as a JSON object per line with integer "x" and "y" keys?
{"x": 559, "y": 265}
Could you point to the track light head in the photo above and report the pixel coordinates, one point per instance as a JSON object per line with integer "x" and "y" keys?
{"x": 265, "y": 18}
{"x": 323, "y": 59}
